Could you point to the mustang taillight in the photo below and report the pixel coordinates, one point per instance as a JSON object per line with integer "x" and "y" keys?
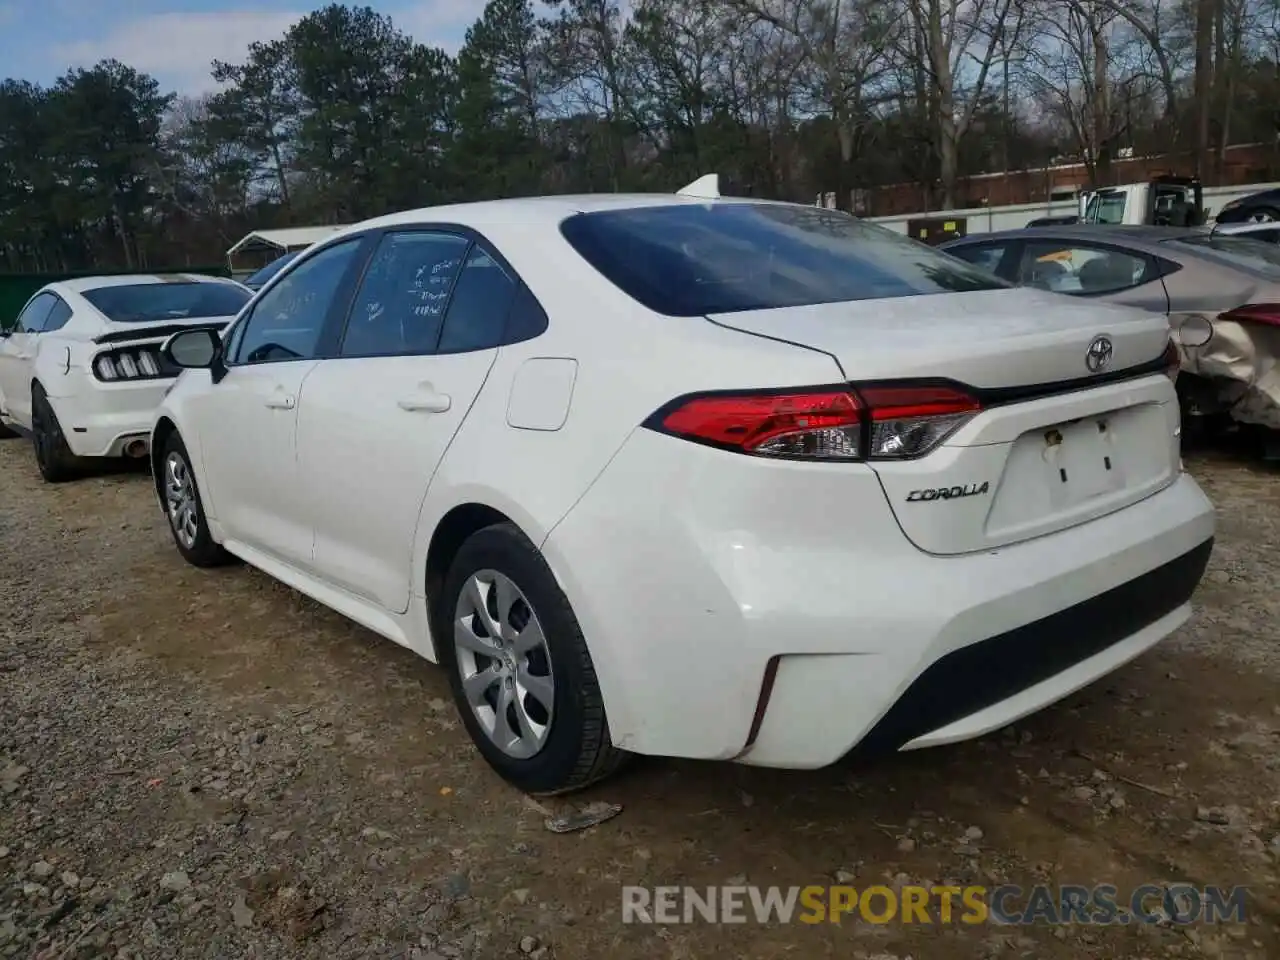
{"x": 871, "y": 422}
{"x": 131, "y": 363}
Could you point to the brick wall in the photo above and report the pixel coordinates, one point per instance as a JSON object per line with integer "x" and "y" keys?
{"x": 1244, "y": 164}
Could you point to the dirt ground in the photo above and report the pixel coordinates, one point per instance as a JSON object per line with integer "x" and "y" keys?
{"x": 206, "y": 764}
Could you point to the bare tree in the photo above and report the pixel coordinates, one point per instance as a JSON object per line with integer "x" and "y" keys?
{"x": 846, "y": 46}
{"x": 951, "y": 46}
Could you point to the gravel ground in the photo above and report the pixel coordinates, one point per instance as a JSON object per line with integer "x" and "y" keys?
{"x": 206, "y": 764}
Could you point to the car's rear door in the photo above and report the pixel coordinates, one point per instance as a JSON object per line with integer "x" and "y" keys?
{"x": 375, "y": 421}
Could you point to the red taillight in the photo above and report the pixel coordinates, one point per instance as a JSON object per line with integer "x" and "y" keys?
{"x": 821, "y": 424}
{"x": 872, "y": 422}
{"x": 1268, "y": 313}
{"x": 1172, "y": 360}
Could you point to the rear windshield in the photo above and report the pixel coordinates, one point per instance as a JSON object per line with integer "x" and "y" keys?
{"x": 687, "y": 260}
{"x": 179, "y": 300}
{"x": 1256, "y": 256}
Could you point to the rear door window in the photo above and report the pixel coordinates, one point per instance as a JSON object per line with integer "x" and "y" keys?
{"x": 691, "y": 259}
{"x": 1082, "y": 268}
{"x": 478, "y": 310}
{"x": 400, "y": 306}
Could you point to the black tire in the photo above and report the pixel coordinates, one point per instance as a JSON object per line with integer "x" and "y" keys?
{"x": 6, "y": 433}
{"x": 53, "y": 455}
{"x": 577, "y": 750}
{"x": 199, "y": 548}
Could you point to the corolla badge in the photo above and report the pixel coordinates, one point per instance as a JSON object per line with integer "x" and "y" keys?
{"x": 1098, "y": 357}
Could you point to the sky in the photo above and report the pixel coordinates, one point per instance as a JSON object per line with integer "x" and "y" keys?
{"x": 175, "y": 40}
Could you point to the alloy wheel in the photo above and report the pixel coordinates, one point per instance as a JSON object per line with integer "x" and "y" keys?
{"x": 504, "y": 664}
{"x": 180, "y": 500}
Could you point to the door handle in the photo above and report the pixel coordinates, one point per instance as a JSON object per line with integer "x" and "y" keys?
{"x": 425, "y": 403}
{"x": 284, "y": 402}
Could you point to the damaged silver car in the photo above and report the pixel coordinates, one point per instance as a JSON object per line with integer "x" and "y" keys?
{"x": 1220, "y": 290}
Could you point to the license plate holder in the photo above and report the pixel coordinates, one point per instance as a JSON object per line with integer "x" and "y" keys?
{"x": 1083, "y": 460}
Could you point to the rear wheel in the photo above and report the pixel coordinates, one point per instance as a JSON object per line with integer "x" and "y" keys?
{"x": 6, "y": 433}
{"x": 185, "y": 510}
{"x": 53, "y": 455}
{"x": 519, "y": 668}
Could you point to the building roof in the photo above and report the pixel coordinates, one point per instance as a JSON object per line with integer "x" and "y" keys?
{"x": 290, "y": 238}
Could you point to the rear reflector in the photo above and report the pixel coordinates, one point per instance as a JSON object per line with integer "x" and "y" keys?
{"x": 874, "y": 422}
{"x": 1268, "y": 313}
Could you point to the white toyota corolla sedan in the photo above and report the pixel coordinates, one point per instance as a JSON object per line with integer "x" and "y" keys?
{"x": 693, "y": 477}
{"x": 81, "y": 371}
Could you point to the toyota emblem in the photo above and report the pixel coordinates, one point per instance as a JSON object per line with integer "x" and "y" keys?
{"x": 1098, "y": 357}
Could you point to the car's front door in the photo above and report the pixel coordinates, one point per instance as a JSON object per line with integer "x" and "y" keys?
{"x": 17, "y": 357}
{"x": 375, "y": 422}
{"x": 247, "y": 422}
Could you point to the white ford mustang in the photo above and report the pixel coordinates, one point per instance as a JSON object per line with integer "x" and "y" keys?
{"x": 81, "y": 371}
{"x": 692, "y": 476}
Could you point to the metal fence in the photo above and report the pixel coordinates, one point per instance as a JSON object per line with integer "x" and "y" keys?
{"x": 17, "y": 288}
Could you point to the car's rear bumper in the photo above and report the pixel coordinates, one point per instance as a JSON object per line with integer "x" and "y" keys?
{"x": 774, "y": 613}
{"x": 102, "y": 419}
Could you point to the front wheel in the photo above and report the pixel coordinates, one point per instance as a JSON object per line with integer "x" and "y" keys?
{"x": 519, "y": 668}
{"x": 184, "y": 509}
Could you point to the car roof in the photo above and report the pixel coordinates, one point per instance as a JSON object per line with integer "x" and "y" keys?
{"x": 1135, "y": 235}
{"x": 548, "y": 210}
{"x": 80, "y": 285}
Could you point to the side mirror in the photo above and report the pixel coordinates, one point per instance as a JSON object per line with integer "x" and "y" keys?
{"x": 193, "y": 349}
{"x": 1191, "y": 330}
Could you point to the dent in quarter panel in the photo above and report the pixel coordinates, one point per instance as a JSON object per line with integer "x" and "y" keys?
{"x": 541, "y": 393}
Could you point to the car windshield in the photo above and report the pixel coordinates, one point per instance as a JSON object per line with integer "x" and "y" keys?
{"x": 693, "y": 259}
{"x": 1256, "y": 256}
{"x": 270, "y": 270}
{"x": 168, "y": 300}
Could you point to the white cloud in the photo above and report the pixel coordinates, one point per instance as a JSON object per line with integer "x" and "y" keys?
{"x": 177, "y": 48}
{"x": 438, "y": 23}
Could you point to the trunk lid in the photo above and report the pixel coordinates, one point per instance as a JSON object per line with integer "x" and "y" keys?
{"x": 1057, "y": 442}
{"x": 989, "y": 339}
